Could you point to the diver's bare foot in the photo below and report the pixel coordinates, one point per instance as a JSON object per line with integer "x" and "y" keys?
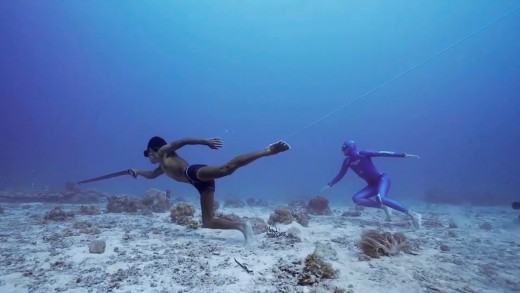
{"x": 247, "y": 231}
{"x": 278, "y": 147}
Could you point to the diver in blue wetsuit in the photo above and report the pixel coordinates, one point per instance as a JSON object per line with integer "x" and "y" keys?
{"x": 374, "y": 194}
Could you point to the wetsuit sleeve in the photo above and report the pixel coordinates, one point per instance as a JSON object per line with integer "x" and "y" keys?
{"x": 382, "y": 154}
{"x": 342, "y": 172}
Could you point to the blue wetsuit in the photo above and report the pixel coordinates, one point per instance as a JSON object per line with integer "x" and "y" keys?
{"x": 378, "y": 183}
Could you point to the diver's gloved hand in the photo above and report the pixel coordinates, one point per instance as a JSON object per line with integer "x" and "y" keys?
{"x": 411, "y": 156}
{"x": 328, "y": 186}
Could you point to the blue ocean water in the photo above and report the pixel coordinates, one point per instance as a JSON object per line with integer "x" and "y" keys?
{"x": 85, "y": 84}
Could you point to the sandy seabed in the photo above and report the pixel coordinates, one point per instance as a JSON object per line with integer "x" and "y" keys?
{"x": 458, "y": 249}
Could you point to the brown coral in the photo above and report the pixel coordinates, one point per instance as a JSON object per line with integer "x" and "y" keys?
{"x": 376, "y": 244}
{"x": 157, "y": 201}
{"x": 319, "y": 206}
{"x": 57, "y": 214}
{"x": 282, "y": 216}
{"x": 88, "y": 210}
{"x": 316, "y": 269}
{"x": 301, "y": 217}
{"x": 182, "y": 214}
{"x": 124, "y": 204}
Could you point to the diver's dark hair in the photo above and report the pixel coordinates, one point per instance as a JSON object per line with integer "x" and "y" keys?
{"x": 155, "y": 143}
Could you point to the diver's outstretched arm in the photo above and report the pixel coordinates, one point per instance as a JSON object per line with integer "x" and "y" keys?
{"x": 387, "y": 154}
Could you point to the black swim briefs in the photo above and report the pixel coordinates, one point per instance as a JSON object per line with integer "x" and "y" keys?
{"x": 191, "y": 174}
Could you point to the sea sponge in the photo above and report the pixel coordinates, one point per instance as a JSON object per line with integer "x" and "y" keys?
{"x": 376, "y": 244}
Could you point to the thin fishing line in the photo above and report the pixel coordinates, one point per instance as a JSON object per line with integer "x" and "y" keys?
{"x": 404, "y": 72}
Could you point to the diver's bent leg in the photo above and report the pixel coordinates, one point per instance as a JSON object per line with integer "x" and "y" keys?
{"x": 415, "y": 217}
{"x": 362, "y": 197}
{"x": 209, "y": 220}
{"x": 394, "y": 205}
{"x": 383, "y": 186}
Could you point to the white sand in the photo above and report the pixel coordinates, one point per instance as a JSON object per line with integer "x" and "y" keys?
{"x": 151, "y": 254}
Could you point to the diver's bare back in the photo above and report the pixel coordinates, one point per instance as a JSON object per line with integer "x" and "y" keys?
{"x": 174, "y": 166}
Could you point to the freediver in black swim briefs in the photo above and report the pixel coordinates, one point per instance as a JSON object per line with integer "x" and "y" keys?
{"x": 202, "y": 177}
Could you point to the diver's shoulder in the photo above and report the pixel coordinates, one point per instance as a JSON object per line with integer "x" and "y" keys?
{"x": 170, "y": 154}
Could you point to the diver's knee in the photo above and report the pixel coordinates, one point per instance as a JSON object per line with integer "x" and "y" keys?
{"x": 227, "y": 170}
